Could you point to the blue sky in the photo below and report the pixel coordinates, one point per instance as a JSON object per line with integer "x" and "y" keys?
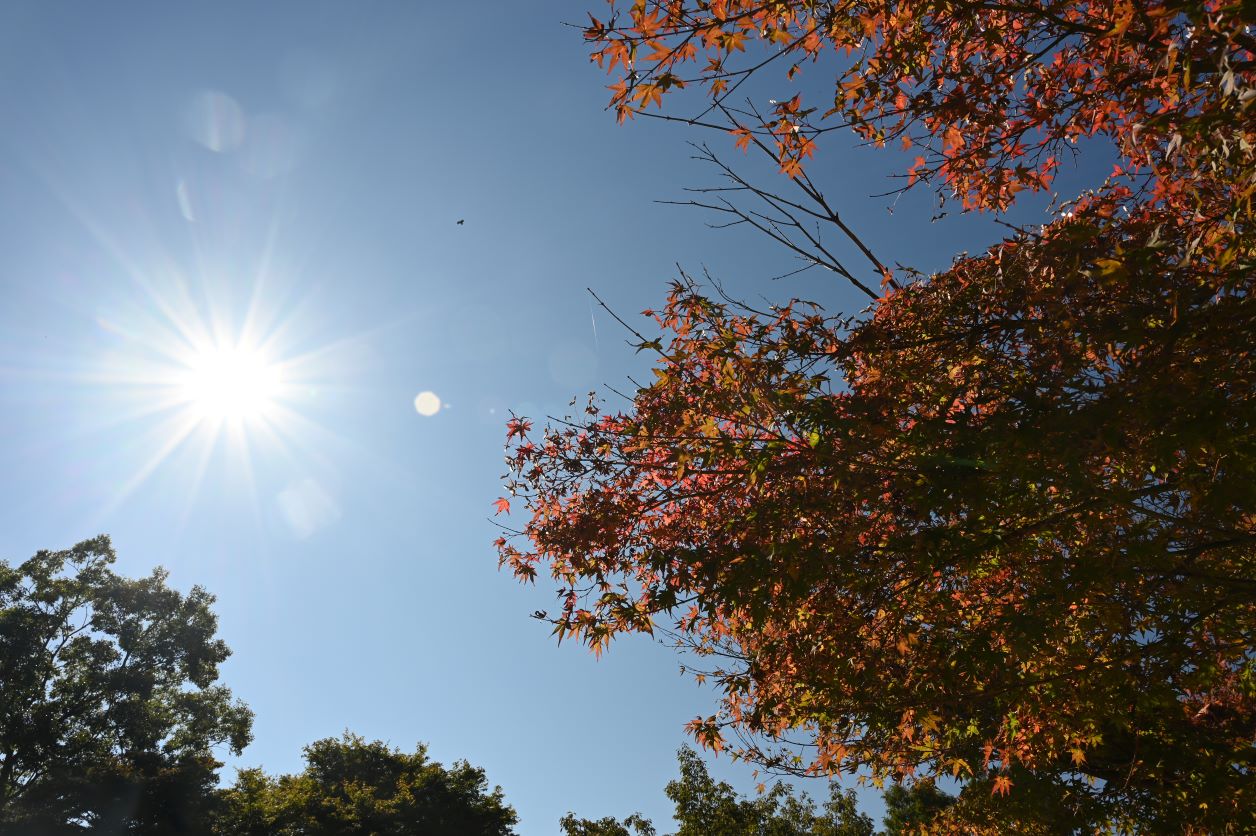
{"x": 289, "y": 175}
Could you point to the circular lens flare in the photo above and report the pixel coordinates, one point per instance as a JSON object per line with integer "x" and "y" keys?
{"x": 230, "y": 383}
{"x": 427, "y": 404}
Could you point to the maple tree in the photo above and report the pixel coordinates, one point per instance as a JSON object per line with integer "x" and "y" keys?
{"x": 992, "y": 93}
{"x": 1003, "y": 527}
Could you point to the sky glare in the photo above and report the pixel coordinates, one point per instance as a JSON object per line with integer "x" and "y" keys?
{"x": 244, "y": 333}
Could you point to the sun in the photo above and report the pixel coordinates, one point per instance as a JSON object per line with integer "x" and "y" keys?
{"x": 230, "y": 383}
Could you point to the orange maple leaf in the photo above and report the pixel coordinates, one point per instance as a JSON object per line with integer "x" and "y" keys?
{"x": 517, "y": 427}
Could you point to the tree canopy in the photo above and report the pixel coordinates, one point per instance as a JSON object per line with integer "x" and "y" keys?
{"x": 993, "y": 95}
{"x": 109, "y": 711}
{"x": 706, "y": 807}
{"x": 908, "y": 810}
{"x": 633, "y": 825}
{"x": 1002, "y": 526}
{"x": 350, "y": 786}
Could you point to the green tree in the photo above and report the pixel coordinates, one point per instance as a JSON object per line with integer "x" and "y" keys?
{"x": 706, "y": 807}
{"x": 909, "y": 808}
{"x": 351, "y": 787}
{"x": 109, "y": 711}
{"x": 634, "y": 825}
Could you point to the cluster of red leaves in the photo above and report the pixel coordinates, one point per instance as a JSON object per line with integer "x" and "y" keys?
{"x": 1001, "y": 530}
{"x": 993, "y": 92}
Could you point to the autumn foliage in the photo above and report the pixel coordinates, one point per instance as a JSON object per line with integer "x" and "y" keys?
{"x": 992, "y": 94}
{"x": 1003, "y": 526}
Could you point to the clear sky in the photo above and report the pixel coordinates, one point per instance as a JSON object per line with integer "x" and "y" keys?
{"x": 187, "y": 187}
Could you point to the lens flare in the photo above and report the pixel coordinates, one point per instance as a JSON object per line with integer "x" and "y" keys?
{"x": 427, "y": 404}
